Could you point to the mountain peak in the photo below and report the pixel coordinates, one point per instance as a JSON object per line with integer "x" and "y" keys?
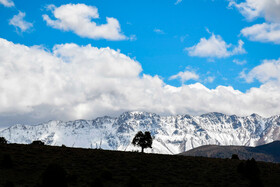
{"x": 254, "y": 115}
{"x": 213, "y": 114}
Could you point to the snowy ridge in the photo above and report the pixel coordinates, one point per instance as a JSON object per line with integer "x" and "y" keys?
{"x": 172, "y": 134}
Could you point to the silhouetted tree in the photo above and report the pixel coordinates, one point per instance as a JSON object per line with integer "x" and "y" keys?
{"x": 37, "y": 142}
{"x": 250, "y": 170}
{"x": 54, "y": 176}
{"x": 235, "y": 157}
{"x": 3, "y": 140}
{"x": 143, "y": 140}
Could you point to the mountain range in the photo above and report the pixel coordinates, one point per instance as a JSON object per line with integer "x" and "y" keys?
{"x": 171, "y": 134}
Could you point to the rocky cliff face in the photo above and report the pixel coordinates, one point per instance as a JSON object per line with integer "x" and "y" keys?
{"x": 172, "y": 134}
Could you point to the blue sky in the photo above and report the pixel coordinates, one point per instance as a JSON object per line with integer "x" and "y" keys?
{"x": 183, "y": 45}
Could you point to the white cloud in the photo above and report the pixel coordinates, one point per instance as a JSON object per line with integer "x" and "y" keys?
{"x": 78, "y": 18}
{"x": 209, "y": 79}
{"x": 265, "y": 32}
{"x": 159, "y": 31}
{"x": 73, "y": 82}
{"x": 269, "y": 9}
{"x": 239, "y": 62}
{"x": 185, "y": 76}
{"x": 268, "y": 71}
{"x": 7, "y": 3}
{"x": 19, "y": 22}
{"x": 268, "y": 31}
{"x": 215, "y": 47}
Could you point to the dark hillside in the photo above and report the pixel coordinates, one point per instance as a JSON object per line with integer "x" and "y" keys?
{"x": 36, "y": 165}
{"x": 268, "y": 152}
{"x": 270, "y": 149}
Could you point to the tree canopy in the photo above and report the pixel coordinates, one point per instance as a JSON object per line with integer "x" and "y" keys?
{"x": 3, "y": 140}
{"x": 144, "y": 140}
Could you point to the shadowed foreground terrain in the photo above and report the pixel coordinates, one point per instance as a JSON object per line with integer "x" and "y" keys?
{"x": 26, "y": 165}
{"x": 269, "y": 152}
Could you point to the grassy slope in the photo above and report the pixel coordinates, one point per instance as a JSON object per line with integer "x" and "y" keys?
{"x": 86, "y": 165}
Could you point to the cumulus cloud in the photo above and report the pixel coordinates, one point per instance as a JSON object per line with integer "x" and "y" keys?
{"x": 268, "y": 31}
{"x": 215, "y": 47}
{"x": 185, "y": 76}
{"x": 78, "y": 18}
{"x": 19, "y": 22}
{"x": 72, "y": 82}
{"x": 69, "y": 81}
{"x": 268, "y": 71}
{"x": 269, "y": 9}
{"x": 7, "y": 3}
{"x": 265, "y": 32}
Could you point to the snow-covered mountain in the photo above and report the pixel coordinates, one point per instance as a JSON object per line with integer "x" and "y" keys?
{"x": 172, "y": 134}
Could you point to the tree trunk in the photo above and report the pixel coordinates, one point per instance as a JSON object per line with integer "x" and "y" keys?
{"x": 142, "y": 149}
